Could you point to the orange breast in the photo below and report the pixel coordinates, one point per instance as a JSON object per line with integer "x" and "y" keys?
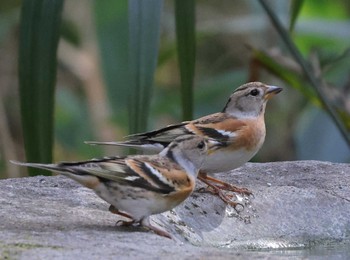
{"x": 251, "y": 136}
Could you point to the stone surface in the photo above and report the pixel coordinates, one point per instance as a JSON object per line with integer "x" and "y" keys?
{"x": 295, "y": 205}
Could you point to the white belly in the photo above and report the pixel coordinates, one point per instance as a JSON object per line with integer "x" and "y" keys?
{"x": 222, "y": 161}
{"x": 136, "y": 202}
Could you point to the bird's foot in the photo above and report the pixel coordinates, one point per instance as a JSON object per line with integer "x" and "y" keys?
{"x": 219, "y": 191}
{"x": 223, "y": 185}
{"x": 146, "y": 223}
{"x": 230, "y": 187}
{"x": 123, "y": 223}
{"x": 227, "y": 198}
{"x": 116, "y": 211}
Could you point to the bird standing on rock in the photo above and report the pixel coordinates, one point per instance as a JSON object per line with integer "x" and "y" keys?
{"x": 240, "y": 128}
{"x": 141, "y": 185}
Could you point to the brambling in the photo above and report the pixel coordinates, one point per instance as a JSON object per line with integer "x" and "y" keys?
{"x": 240, "y": 128}
{"x": 139, "y": 186}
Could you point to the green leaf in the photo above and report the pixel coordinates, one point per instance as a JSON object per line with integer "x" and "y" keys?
{"x": 186, "y": 49}
{"x": 70, "y": 32}
{"x": 144, "y": 31}
{"x": 295, "y": 8}
{"x": 112, "y": 33}
{"x": 332, "y": 59}
{"x": 39, "y": 35}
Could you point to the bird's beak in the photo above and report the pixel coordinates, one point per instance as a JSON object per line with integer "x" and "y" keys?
{"x": 213, "y": 145}
{"x": 271, "y": 91}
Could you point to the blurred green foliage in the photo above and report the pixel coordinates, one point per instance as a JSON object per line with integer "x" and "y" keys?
{"x": 39, "y": 34}
{"x": 151, "y": 96}
{"x": 143, "y": 35}
{"x": 112, "y": 34}
{"x": 312, "y": 71}
{"x": 186, "y": 50}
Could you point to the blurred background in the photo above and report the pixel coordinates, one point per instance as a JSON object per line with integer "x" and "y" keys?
{"x": 235, "y": 43}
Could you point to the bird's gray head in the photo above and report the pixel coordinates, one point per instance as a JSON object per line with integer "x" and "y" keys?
{"x": 190, "y": 151}
{"x": 249, "y": 100}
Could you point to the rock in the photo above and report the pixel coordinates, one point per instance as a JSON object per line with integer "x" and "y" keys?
{"x": 295, "y": 205}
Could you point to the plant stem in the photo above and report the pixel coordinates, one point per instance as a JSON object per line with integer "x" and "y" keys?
{"x": 315, "y": 82}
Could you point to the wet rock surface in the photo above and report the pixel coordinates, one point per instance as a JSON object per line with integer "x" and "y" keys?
{"x": 295, "y": 205}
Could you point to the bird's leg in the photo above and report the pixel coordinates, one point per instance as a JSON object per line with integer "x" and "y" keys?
{"x": 123, "y": 223}
{"x": 145, "y": 222}
{"x": 223, "y": 185}
{"x": 216, "y": 190}
{"x": 114, "y": 210}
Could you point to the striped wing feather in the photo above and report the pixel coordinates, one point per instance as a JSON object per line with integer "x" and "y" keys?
{"x": 219, "y": 126}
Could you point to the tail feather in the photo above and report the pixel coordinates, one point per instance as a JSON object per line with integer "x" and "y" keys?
{"x": 80, "y": 176}
{"x": 50, "y": 167}
{"x": 153, "y": 147}
{"x": 157, "y": 133}
{"x": 77, "y": 168}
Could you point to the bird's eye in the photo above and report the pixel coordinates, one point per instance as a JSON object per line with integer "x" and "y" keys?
{"x": 254, "y": 92}
{"x": 201, "y": 145}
